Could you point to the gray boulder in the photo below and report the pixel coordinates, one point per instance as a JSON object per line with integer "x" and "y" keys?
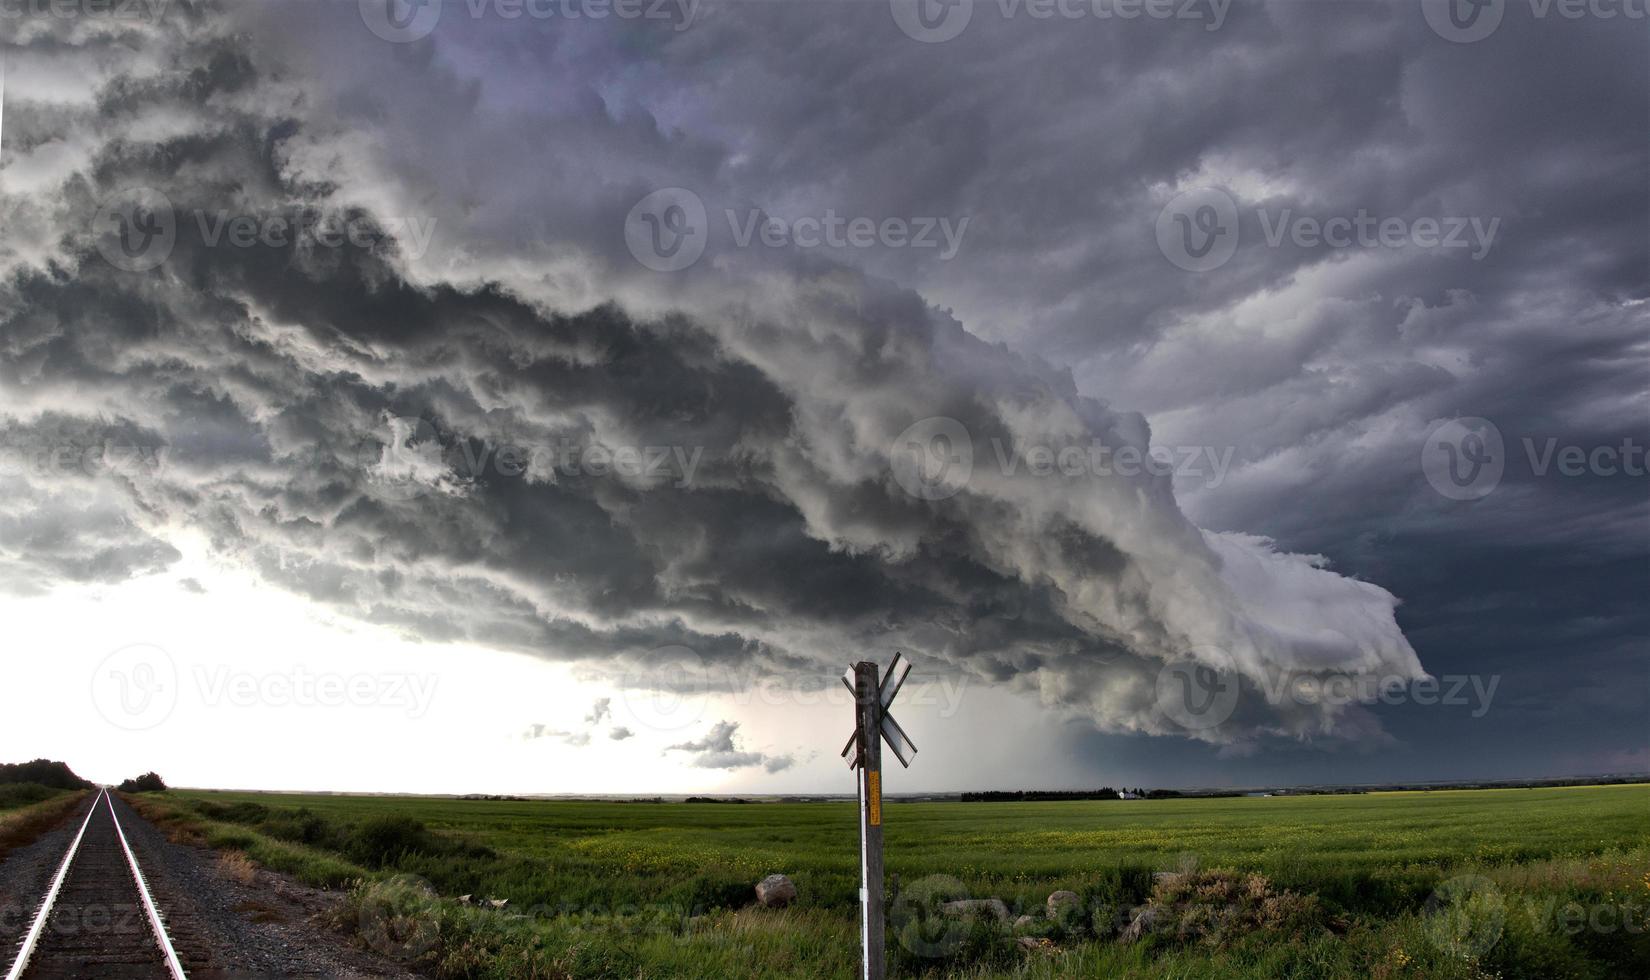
{"x": 1061, "y": 900}
{"x": 775, "y": 891}
{"x": 978, "y": 908}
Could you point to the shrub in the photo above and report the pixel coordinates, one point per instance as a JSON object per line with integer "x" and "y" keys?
{"x": 1216, "y": 908}
{"x": 301, "y": 826}
{"x": 238, "y": 812}
{"x": 382, "y": 841}
{"x": 149, "y": 782}
{"x": 236, "y": 865}
{"x": 24, "y": 794}
{"x": 1108, "y": 901}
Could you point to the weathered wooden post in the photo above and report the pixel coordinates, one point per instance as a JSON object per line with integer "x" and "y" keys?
{"x": 869, "y": 726}
{"x": 872, "y": 726}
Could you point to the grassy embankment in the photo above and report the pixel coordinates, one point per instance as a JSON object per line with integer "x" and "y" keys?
{"x": 1440, "y": 884}
{"x": 27, "y": 810}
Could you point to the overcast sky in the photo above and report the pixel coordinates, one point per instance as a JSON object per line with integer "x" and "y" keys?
{"x": 557, "y": 396}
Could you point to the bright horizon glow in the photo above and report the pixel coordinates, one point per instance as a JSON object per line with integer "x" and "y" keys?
{"x": 248, "y": 711}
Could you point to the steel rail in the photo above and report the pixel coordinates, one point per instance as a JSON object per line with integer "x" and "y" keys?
{"x": 40, "y": 918}
{"x": 155, "y": 923}
{"x": 156, "y": 926}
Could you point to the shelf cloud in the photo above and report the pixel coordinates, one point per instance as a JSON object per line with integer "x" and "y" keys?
{"x": 380, "y": 388}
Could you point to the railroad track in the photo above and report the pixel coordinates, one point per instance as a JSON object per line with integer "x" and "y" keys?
{"x": 98, "y": 917}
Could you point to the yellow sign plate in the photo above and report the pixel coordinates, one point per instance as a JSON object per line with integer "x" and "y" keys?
{"x": 874, "y": 779}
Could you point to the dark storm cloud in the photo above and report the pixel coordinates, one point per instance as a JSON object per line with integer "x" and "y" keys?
{"x": 69, "y": 514}
{"x": 325, "y": 407}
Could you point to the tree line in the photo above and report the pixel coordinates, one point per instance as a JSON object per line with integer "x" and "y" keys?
{"x": 1044, "y": 795}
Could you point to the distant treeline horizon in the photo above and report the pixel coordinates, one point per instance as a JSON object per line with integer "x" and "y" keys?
{"x": 58, "y": 775}
{"x": 52, "y": 774}
{"x": 43, "y": 772}
{"x": 1103, "y": 793}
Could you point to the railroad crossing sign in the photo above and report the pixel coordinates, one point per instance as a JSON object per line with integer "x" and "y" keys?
{"x": 873, "y": 725}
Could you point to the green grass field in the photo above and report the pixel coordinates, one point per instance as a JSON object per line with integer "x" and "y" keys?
{"x": 1450, "y": 884}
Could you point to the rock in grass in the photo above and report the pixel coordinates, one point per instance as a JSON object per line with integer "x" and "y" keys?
{"x": 1023, "y": 923}
{"x": 977, "y": 907}
{"x": 775, "y": 891}
{"x": 1061, "y": 900}
{"x": 1146, "y": 919}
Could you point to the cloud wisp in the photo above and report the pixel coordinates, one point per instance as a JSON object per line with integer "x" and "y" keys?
{"x": 720, "y": 749}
